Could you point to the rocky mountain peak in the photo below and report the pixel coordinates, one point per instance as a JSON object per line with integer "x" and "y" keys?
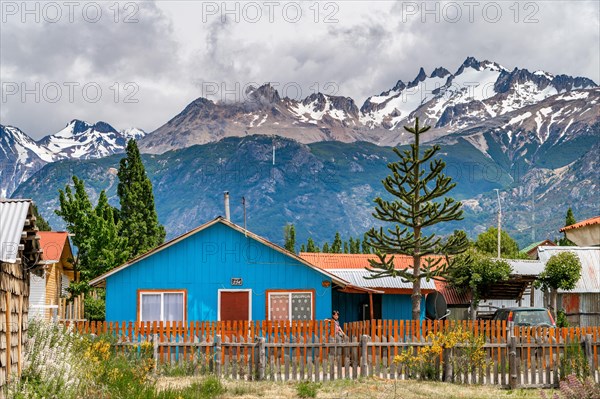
{"x": 265, "y": 94}
{"x": 440, "y": 72}
{"x": 420, "y": 77}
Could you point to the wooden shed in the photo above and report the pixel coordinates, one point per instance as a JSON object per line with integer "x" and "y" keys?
{"x": 19, "y": 255}
{"x": 49, "y": 298}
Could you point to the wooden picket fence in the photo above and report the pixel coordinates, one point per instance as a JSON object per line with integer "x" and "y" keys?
{"x": 310, "y": 350}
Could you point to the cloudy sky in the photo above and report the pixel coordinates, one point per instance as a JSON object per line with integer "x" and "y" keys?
{"x": 139, "y": 64}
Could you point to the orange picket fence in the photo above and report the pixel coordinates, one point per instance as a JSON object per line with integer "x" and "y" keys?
{"x": 299, "y": 350}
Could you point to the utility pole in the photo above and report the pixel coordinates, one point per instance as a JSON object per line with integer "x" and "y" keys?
{"x": 499, "y": 220}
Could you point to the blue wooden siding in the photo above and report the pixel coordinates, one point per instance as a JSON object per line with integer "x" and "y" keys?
{"x": 349, "y": 305}
{"x": 399, "y": 307}
{"x": 206, "y": 262}
{"x": 393, "y": 306}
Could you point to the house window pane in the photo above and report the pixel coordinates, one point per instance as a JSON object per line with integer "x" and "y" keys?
{"x": 173, "y": 307}
{"x": 150, "y": 307}
{"x": 279, "y": 306}
{"x": 301, "y": 306}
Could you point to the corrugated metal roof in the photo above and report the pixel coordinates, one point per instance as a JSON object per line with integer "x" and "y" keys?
{"x": 12, "y": 220}
{"x": 353, "y": 261}
{"x": 590, "y": 265}
{"x": 525, "y": 267}
{"x": 587, "y": 222}
{"x": 356, "y": 277}
{"x": 533, "y": 246}
{"x": 451, "y": 294}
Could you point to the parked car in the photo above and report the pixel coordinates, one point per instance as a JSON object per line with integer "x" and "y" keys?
{"x": 535, "y": 317}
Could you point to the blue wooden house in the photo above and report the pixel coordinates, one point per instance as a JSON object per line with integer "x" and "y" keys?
{"x": 220, "y": 271}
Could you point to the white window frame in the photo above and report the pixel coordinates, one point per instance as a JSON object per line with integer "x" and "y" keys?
{"x": 162, "y": 303}
{"x": 290, "y": 293}
{"x": 249, "y": 291}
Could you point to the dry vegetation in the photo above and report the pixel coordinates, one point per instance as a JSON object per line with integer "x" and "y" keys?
{"x": 361, "y": 389}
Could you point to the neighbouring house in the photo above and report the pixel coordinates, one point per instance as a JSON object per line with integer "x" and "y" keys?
{"x": 219, "y": 271}
{"x": 49, "y": 298}
{"x": 585, "y": 233}
{"x": 532, "y": 250}
{"x": 516, "y": 291}
{"x": 581, "y": 304}
{"x": 19, "y": 256}
{"x": 392, "y": 296}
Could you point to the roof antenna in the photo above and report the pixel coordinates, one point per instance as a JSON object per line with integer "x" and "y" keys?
{"x": 244, "y": 206}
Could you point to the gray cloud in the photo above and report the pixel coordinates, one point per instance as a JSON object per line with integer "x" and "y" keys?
{"x": 171, "y": 52}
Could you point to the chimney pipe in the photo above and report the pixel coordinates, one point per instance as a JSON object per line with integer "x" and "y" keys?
{"x": 227, "y": 216}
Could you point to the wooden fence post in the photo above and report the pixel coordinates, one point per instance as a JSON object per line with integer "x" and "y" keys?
{"x": 261, "y": 361}
{"x": 512, "y": 361}
{"x": 589, "y": 352}
{"x": 155, "y": 350}
{"x": 363, "y": 355}
{"x": 448, "y": 373}
{"x": 218, "y": 355}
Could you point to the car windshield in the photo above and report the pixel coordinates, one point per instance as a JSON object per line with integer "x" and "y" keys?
{"x": 532, "y": 317}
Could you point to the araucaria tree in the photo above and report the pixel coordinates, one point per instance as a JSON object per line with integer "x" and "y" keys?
{"x": 417, "y": 206}
{"x": 138, "y": 216}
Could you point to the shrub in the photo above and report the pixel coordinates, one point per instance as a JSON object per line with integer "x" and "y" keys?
{"x": 307, "y": 389}
{"x": 561, "y": 319}
{"x": 575, "y": 388}
{"x": 211, "y": 388}
{"x": 51, "y": 363}
{"x": 573, "y": 362}
{"x": 467, "y": 354}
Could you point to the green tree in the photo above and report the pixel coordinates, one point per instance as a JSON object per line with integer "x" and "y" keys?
{"x": 326, "y": 248}
{"x": 569, "y": 220}
{"x": 289, "y": 232}
{"x": 346, "y": 249}
{"x": 416, "y": 207}
{"x": 40, "y": 222}
{"x": 95, "y": 234}
{"x": 336, "y": 246}
{"x": 138, "y": 214}
{"x": 562, "y": 271}
{"x": 366, "y": 248}
{"x": 302, "y": 248}
{"x": 475, "y": 272}
{"x": 487, "y": 242}
{"x": 310, "y": 246}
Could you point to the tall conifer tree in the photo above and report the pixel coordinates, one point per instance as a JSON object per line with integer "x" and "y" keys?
{"x": 140, "y": 224}
{"x": 569, "y": 220}
{"x": 416, "y": 207}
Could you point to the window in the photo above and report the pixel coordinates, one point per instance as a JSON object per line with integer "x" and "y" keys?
{"x": 290, "y": 305}
{"x": 162, "y": 305}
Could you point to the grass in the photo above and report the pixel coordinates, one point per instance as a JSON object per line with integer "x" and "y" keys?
{"x": 352, "y": 389}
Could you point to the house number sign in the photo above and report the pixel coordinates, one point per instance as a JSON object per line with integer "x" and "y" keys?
{"x": 236, "y": 281}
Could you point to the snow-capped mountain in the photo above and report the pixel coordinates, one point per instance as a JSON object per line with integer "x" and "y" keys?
{"x": 538, "y": 134}
{"x": 477, "y": 91}
{"x": 21, "y": 156}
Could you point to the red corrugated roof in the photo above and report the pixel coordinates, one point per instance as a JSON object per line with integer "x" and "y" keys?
{"x": 587, "y": 222}
{"x": 451, "y": 294}
{"x": 352, "y": 261}
{"x": 53, "y": 243}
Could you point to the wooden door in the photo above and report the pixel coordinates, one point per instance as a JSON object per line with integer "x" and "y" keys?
{"x": 234, "y": 305}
